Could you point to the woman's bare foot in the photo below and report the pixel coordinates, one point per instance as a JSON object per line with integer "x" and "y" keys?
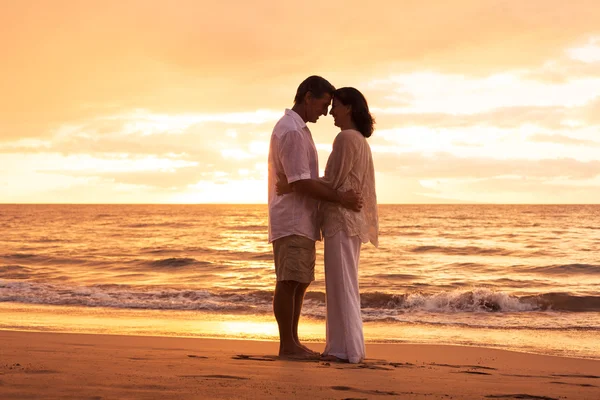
{"x": 329, "y": 357}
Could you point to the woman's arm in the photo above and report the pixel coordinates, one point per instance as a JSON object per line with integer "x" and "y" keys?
{"x": 319, "y": 190}
{"x": 341, "y": 160}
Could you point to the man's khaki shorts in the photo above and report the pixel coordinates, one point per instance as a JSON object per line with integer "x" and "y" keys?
{"x": 295, "y": 258}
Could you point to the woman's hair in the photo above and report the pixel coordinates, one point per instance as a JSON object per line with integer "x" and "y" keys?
{"x": 360, "y": 115}
{"x": 317, "y": 85}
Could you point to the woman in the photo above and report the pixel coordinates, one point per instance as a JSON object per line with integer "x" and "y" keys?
{"x": 350, "y": 166}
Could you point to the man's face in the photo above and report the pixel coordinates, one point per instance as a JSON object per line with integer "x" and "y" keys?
{"x": 315, "y": 106}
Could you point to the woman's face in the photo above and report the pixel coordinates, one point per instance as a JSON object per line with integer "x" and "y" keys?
{"x": 340, "y": 113}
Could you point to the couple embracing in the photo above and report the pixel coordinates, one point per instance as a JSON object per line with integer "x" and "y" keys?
{"x": 341, "y": 207}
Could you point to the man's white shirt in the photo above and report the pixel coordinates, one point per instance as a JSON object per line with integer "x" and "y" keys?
{"x": 292, "y": 152}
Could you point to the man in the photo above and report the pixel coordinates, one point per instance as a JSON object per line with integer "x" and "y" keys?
{"x": 293, "y": 221}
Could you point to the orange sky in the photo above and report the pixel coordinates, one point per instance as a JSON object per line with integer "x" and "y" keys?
{"x": 174, "y": 101}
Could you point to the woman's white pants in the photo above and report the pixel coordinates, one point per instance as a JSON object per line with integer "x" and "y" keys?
{"x": 344, "y": 322}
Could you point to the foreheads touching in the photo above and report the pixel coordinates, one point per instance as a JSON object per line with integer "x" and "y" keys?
{"x": 313, "y": 98}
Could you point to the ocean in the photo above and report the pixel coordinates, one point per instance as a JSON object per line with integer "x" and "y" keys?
{"x": 517, "y": 277}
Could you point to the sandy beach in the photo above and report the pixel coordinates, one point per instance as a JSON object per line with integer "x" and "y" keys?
{"x": 77, "y": 366}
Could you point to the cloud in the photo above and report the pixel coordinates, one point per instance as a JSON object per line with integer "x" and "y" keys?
{"x": 202, "y": 138}
{"x": 562, "y": 139}
{"x": 447, "y": 166}
{"x": 562, "y": 70}
{"x": 460, "y": 94}
{"x": 69, "y": 59}
{"x": 96, "y": 92}
{"x": 591, "y": 113}
{"x": 514, "y": 191}
{"x": 504, "y": 117}
{"x": 172, "y": 179}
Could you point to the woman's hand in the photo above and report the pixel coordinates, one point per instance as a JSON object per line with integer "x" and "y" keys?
{"x": 351, "y": 200}
{"x": 282, "y": 186}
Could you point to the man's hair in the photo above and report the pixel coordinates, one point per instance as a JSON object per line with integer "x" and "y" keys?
{"x": 317, "y": 85}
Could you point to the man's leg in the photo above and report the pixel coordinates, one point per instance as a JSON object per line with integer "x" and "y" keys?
{"x": 294, "y": 262}
{"x": 298, "y": 300}
{"x": 283, "y": 308}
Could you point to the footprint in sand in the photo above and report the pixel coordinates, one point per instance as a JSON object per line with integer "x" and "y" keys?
{"x": 526, "y": 376}
{"x": 374, "y": 366}
{"x": 225, "y": 377}
{"x": 214, "y": 377}
{"x": 254, "y": 358}
{"x": 578, "y": 376}
{"x": 573, "y": 384}
{"x": 474, "y": 372}
{"x": 402, "y": 365}
{"x": 464, "y": 366}
{"x": 519, "y": 396}
{"x": 41, "y": 371}
{"x": 348, "y": 388}
{"x": 377, "y": 365}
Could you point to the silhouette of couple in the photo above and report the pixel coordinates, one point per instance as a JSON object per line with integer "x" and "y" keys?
{"x": 341, "y": 207}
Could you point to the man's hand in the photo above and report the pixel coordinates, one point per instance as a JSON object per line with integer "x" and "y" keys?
{"x": 282, "y": 186}
{"x": 351, "y": 200}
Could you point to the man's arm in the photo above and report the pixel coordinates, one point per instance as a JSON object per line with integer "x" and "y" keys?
{"x": 294, "y": 160}
{"x": 320, "y": 191}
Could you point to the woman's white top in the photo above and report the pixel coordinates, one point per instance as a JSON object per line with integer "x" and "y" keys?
{"x": 350, "y": 166}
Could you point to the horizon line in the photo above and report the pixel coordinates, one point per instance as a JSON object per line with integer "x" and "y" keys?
{"x": 265, "y": 204}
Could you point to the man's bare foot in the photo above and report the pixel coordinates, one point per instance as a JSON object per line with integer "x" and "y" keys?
{"x": 316, "y": 353}
{"x": 298, "y": 353}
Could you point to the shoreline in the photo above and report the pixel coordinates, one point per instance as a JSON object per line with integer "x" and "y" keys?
{"x": 311, "y": 342}
{"x": 199, "y": 324}
{"x": 67, "y": 365}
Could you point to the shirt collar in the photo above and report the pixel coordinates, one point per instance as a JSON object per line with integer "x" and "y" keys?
{"x": 296, "y": 117}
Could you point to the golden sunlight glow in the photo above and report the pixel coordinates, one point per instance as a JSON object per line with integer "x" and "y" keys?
{"x": 182, "y": 112}
{"x": 247, "y": 191}
{"x": 249, "y": 329}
